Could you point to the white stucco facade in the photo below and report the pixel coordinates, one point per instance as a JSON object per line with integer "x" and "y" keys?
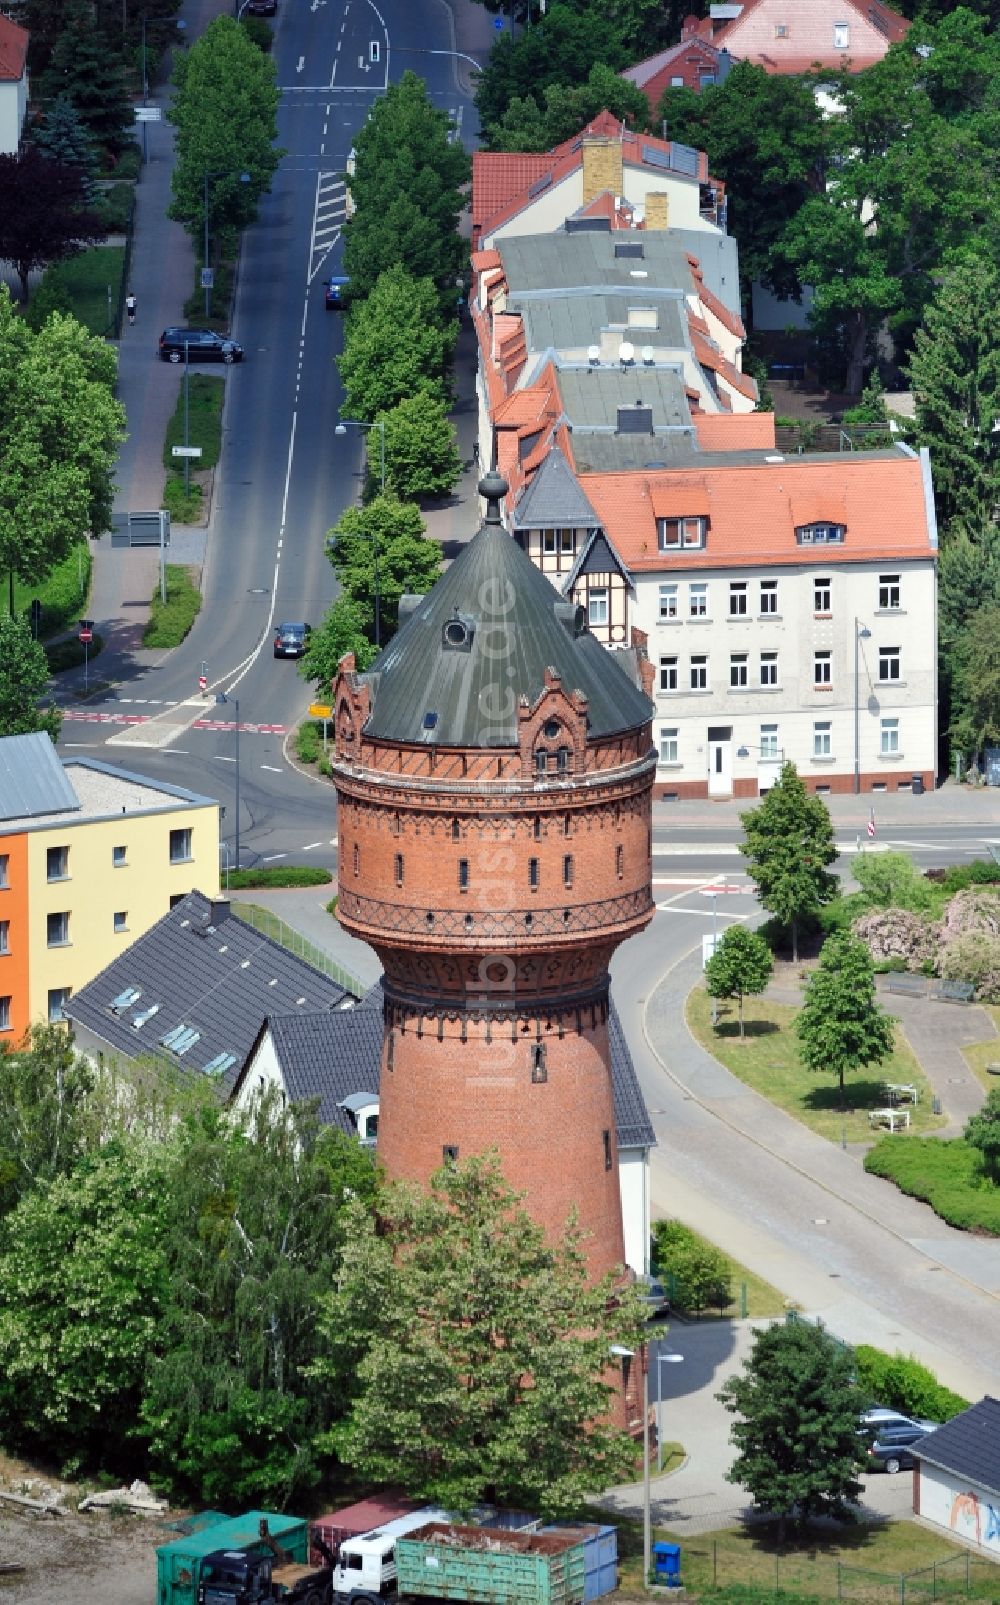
{"x": 633, "y": 1179}
{"x": 764, "y": 659}
{"x": 962, "y": 1509}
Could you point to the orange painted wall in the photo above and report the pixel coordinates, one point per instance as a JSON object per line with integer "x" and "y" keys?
{"x": 14, "y": 964}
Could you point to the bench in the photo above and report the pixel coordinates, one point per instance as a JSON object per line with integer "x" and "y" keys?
{"x": 912, "y": 986}
{"x": 954, "y": 992}
{"x": 891, "y": 1119}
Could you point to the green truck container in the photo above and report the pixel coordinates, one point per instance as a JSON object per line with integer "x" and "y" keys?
{"x": 178, "y": 1564}
{"x": 486, "y": 1567}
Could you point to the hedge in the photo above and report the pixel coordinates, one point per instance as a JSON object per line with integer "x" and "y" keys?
{"x": 945, "y": 1175}
{"x": 900, "y": 1382}
{"x": 170, "y": 621}
{"x": 278, "y": 875}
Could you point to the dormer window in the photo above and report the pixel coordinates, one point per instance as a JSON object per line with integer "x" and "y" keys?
{"x": 820, "y": 534}
{"x": 674, "y": 534}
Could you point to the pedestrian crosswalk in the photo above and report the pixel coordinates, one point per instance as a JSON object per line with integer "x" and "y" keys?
{"x": 329, "y": 215}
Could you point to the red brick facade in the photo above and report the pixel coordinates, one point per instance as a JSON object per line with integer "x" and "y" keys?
{"x": 885, "y": 780}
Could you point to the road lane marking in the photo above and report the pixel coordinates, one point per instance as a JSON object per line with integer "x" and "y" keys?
{"x": 310, "y": 845}
{"x": 270, "y": 857}
{"x": 272, "y": 768}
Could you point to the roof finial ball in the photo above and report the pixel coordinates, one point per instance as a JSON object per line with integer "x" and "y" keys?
{"x": 493, "y": 488}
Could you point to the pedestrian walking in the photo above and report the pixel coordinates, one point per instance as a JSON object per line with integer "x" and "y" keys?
{"x": 130, "y": 307}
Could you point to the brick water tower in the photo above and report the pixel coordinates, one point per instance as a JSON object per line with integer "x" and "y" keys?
{"x": 494, "y": 774}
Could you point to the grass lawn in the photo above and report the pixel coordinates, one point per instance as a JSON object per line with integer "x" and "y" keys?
{"x": 808, "y": 1568}
{"x": 62, "y": 593}
{"x": 979, "y": 1054}
{"x": 768, "y": 1062}
{"x": 205, "y": 396}
{"x": 82, "y": 283}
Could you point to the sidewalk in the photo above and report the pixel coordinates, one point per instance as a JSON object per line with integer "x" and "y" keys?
{"x": 948, "y": 804}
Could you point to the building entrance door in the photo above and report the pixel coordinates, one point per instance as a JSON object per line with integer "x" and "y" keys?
{"x": 720, "y": 761}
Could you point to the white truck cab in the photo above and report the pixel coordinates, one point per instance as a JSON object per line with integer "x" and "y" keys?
{"x": 366, "y": 1566}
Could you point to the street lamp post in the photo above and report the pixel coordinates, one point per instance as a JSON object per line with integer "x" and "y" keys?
{"x": 861, "y": 633}
{"x": 379, "y": 424}
{"x": 221, "y": 698}
{"x": 180, "y": 25}
{"x": 670, "y": 1358}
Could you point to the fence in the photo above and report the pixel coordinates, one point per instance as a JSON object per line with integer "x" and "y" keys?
{"x": 269, "y": 924}
{"x": 801, "y": 1572}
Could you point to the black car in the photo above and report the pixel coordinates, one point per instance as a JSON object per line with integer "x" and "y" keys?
{"x": 291, "y": 640}
{"x": 203, "y": 345}
{"x": 333, "y": 292}
{"x": 890, "y": 1447}
{"x": 260, "y": 8}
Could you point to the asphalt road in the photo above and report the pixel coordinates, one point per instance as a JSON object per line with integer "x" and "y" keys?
{"x": 285, "y": 476}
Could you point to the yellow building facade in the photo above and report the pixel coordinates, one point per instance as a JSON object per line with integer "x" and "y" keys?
{"x": 95, "y": 858}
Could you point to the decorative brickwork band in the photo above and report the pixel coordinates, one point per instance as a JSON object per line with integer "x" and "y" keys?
{"x": 500, "y": 925}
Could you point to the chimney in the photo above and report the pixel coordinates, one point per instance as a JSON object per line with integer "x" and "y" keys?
{"x": 657, "y": 209}
{"x": 219, "y": 911}
{"x": 603, "y": 168}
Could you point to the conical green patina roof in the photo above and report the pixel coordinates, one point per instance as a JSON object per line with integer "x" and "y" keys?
{"x": 481, "y": 639}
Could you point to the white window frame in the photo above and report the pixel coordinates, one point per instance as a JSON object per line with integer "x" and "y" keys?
{"x": 54, "y": 1012}
{"x": 768, "y": 596}
{"x": 668, "y": 673}
{"x": 699, "y": 671}
{"x": 739, "y": 600}
{"x": 889, "y": 586}
{"x": 822, "y": 594}
{"x": 739, "y": 671}
{"x": 823, "y": 668}
{"x": 698, "y": 592}
{"x": 184, "y": 838}
{"x": 888, "y": 745}
{"x": 597, "y": 599}
{"x": 669, "y": 601}
{"x": 669, "y": 744}
{"x": 769, "y": 668}
{"x": 890, "y": 665}
{"x": 769, "y": 748}
{"x": 841, "y": 36}
{"x": 680, "y": 534}
{"x": 822, "y": 738}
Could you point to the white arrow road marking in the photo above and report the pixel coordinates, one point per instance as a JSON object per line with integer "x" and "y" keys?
{"x": 301, "y": 65}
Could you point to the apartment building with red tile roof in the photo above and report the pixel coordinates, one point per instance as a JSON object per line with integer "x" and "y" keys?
{"x": 667, "y": 183}
{"x": 13, "y": 84}
{"x": 795, "y": 36}
{"x": 694, "y": 63}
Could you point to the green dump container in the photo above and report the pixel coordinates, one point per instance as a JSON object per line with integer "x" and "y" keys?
{"x": 486, "y": 1567}
{"x": 178, "y": 1565}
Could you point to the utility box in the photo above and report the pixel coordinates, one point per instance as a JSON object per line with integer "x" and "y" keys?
{"x": 667, "y": 1564}
{"x": 488, "y": 1567}
{"x": 178, "y": 1565}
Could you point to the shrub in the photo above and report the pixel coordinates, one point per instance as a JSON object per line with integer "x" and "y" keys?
{"x": 280, "y": 875}
{"x": 891, "y": 880}
{"x": 973, "y": 958}
{"x": 114, "y": 207}
{"x": 839, "y": 914}
{"x": 959, "y": 877}
{"x": 184, "y": 506}
{"x": 309, "y": 741}
{"x": 170, "y": 621}
{"x": 260, "y": 32}
{"x": 697, "y": 1275}
{"x": 129, "y": 163}
{"x": 62, "y": 593}
{"x": 903, "y": 938}
{"x": 975, "y": 911}
{"x": 945, "y": 1175}
{"x": 899, "y": 1382}
{"x": 69, "y": 654}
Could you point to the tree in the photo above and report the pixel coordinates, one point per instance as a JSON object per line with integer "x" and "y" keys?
{"x": 42, "y": 215}
{"x": 841, "y": 1025}
{"x": 697, "y": 1275}
{"x": 421, "y": 449}
{"x": 480, "y": 1350}
{"x": 62, "y": 137}
{"x": 45, "y": 1087}
{"x": 797, "y": 1409}
{"x": 255, "y": 1217}
{"x": 968, "y": 584}
{"x": 24, "y": 675}
{"x": 979, "y": 680}
{"x": 342, "y": 631}
{"x": 789, "y": 842}
{"x": 60, "y": 427}
{"x": 765, "y": 136}
{"x": 955, "y": 374}
{"x": 892, "y": 880}
{"x": 560, "y": 48}
{"x": 395, "y": 346}
{"x": 741, "y": 963}
{"x": 569, "y": 107}
{"x": 982, "y": 1132}
{"x": 84, "y": 70}
{"x": 390, "y": 534}
{"x": 225, "y": 111}
{"x": 82, "y": 1284}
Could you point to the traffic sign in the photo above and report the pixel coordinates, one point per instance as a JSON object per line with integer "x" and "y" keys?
{"x": 185, "y": 451}
{"x": 86, "y": 631}
{"x": 320, "y": 710}
{"x": 498, "y": 24}
{"x": 208, "y": 278}
{"x": 147, "y": 114}
{"x": 202, "y": 683}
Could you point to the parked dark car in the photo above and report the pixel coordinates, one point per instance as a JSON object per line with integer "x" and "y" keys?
{"x": 260, "y": 8}
{"x": 333, "y": 292}
{"x": 890, "y": 1447}
{"x": 203, "y": 345}
{"x": 291, "y": 640}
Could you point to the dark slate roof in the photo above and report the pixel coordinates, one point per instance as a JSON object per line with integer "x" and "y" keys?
{"x": 553, "y": 499}
{"x": 33, "y": 781}
{"x": 204, "y": 968}
{"x": 331, "y": 1056}
{"x": 598, "y": 556}
{"x": 967, "y": 1446}
{"x": 516, "y": 625}
{"x": 635, "y": 1129}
